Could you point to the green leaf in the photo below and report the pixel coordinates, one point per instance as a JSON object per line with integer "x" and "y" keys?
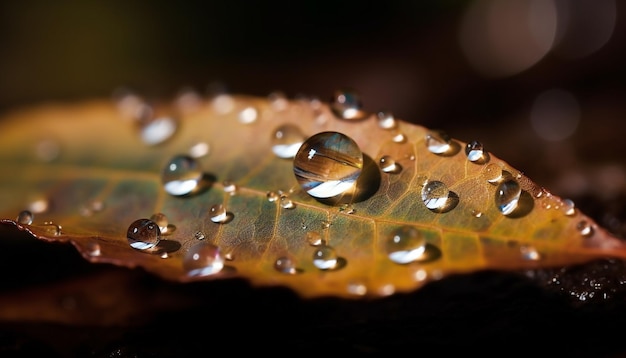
{"x": 88, "y": 171}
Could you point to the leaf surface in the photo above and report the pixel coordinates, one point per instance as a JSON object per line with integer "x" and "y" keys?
{"x": 84, "y": 172}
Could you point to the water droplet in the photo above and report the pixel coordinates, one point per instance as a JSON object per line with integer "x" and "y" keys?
{"x": 328, "y": 164}
{"x": 203, "y": 259}
{"x": 92, "y": 207}
{"x": 438, "y": 142}
{"x": 492, "y": 173}
{"x": 218, "y": 213}
{"x": 93, "y": 248}
{"x": 347, "y": 209}
{"x": 158, "y": 130}
{"x": 388, "y": 165}
{"x": 285, "y": 265}
{"x": 286, "y": 141}
{"x": 39, "y": 205}
{"x": 530, "y": 253}
{"x": 181, "y": 175}
{"x": 386, "y": 120}
{"x": 278, "y": 101}
{"x": 314, "y": 238}
{"x": 386, "y": 290}
{"x": 143, "y": 234}
{"x": 507, "y": 196}
{"x": 286, "y": 202}
{"x": 435, "y": 195}
{"x": 161, "y": 220}
{"x": 584, "y": 228}
{"x": 223, "y": 103}
{"x": 248, "y": 115}
{"x": 420, "y": 275}
{"x": 357, "y": 288}
{"x": 199, "y": 235}
{"x": 52, "y": 228}
{"x": 406, "y": 244}
{"x": 569, "y": 207}
{"x": 230, "y": 187}
{"x": 325, "y": 258}
{"x": 199, "y": 149}
{"x": 25, "y": 217}
{"x": 476, "y": 213}
{"x": 326, "y": 224}
{"x": 188, "y": 100}
{"x": 476, "y": 153}
{"x": 272, "y": 196}
{"x": 347, "y": 105}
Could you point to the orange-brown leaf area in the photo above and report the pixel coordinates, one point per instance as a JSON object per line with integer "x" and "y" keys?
{"x": 101, "y": 177}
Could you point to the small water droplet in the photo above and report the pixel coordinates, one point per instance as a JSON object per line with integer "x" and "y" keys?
{"x": 398, "y": 137}
{"x": 199, "y": 235}
{"x": 386, "y": 120}
{"x": 285, "y": 265}
{"x": 218, "y": 213}
{"x": 492, "y": 173}
{"x": 25, "y": 217}
{"x": 507, "y": 196}
{"x": 158, "y": 130}
{"x": 326, "y": 224}
{"x": 388, "y": 165}
{"x": 199, "y": 150}
{"x": 286, "y": 202}
{"x": 569, "y": 207}
{"x": 161, "y": 220}
{"x": 476, "y": 153}
{"x": 272, "y": 196}
{"x": 230, "y": 187}
{"x": 325, "y": 258}
{"x": 91, "y": 208}
{"x": 347, "y": 209}
{"x": 188, "y": 100}
{"x": 203, "y": 259}
{"x": 93, "y": 248}
{"x": 314, "y": 238}
{"x": 278, "y": 101}
{"x": 357, "y": 288}
{"x": 346, "y": 104}
{"x": 223, "y": 103}
{"x": 328, "y": 164}
{"x": 286, "y": 140}
{"x": 584, "y": 228}
{"x": 476, "y": 213}
{"x": 39, "y": 205}
{"x": 143, "y": 234}
{"x": 181, "y": 175}
{"x": 435, "y": 195}
{"x": 420, "y": 275}
{"x": 248, "y": 115}
{"x": 438, "y": 142}
{"x": 386, "y": 290}
{"x": 406, "y": 244}
{"x": 530, "y": 253}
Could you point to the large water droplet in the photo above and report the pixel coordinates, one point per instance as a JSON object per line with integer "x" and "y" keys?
{"x": 286, "y": 141}
{"x": 386, "y": 120}
{"x": 325, "y": 258}
{"x": 406, "y": 244}
{"x": 285, "y": 265}
{"x": 476, "y": 153}
{"x": 328, "y": 164}
{"x": 203, "y": 259}
{"x": 143, "y": 234}
{"x": 492, "y": 173}
{"x": 438, "y": 142}
{"x": 346, "y": 104}
{"x": 25, "y": 217}
{"x": 181, "y": 175}
{"x": 435, "y": 195}
{"x": 507, "y": 196}
{"x": 158, "y": 130}
{"x": 388, "y": 165}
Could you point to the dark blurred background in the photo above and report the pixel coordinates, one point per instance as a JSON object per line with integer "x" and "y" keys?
{"x": 540, "y": 82}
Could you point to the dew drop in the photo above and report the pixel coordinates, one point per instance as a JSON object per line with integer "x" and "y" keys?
{"x": 314, "y": 238}
{"x": 52, "y": 228}
{"x": 25, "y": 217}
{"x": 39, "y": 206}
{"x": 181, "y": 175}
{"x": 286, "y": 140}
{"x": 158, "y": 130}
{"x": 420, "y": 275}
{"x": 388, "y": 165}
{"x": 475, "y": 152}
{"x": 199, "y": 150}
{"x": 530, "y": 253}
{"x": 438, "y": 142}
{"x": 346, "y": 104}
{"x": 286, "y": 202}
{"x": 143, "y": 234}
{"x": 92, "y": 207}
{"x": 357, "y": 288}
{"x": 248, "y": 115}
{"x": 507, "y": 196}
{"x": 199, "y": 235}
{"x": 435, "y": 195}
{"x": 218, "y": 213}
{"x": 285, "y": 265}
{"x": 272, "y": 196}
{"x": 328, "y": 164}
{"x": 476, "y": 213}
{"x": 278, "y": 101}
{"x": 347, "y": 208}
{"x": 584, "y": 228}
{"x": 398, "y": 137}
{"x": 325, "y": 258}
{"x": 492, "y": 173}
{"x": 386, "y": 120}
{"x": 230, "y": 187}
{"x": 93, "y": 249}
{"x": 406, "y": 244}
{"x": 161, "y": 220}
{"x": 569, "y": 207}
{"x": 203, "y": 259}
{"x": 223, "y": 103}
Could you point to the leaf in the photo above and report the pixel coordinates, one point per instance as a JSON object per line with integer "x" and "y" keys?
{"x": 85, "y": 173}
